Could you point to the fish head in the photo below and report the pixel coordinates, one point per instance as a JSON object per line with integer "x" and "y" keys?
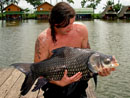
{"x": 98, "y": 61}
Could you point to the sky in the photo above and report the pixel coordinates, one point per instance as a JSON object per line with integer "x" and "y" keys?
{"x": 23, "y": 4}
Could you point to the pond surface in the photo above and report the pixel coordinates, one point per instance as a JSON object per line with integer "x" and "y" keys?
{"x": 17, "y": 41}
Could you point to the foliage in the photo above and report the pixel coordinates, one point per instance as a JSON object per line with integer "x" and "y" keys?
{"x": 96, "y": 16}
{"x": 70, "y": 1}
{"x": 35, "y": 2}
{"x": 93, "y": 3}
{"x": 83, "y": 2}
{"x": 117, "y": 7}
{"x": 110, "y": 2}
{"x": 26, "y": 10}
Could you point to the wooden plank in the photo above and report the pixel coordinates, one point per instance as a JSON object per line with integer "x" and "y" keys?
{"x": 90, "y": 91}
{"x": 15, "y": 89}
{"x": 5, "y": 74}
{"x": 14, "y": 92}
{"x": 7, "y": 85}
{"x": 2, "y": 70}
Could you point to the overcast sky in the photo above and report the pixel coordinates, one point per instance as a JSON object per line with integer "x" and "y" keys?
{"x": 77, "y": 4}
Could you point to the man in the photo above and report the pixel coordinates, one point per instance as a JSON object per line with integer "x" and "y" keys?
{"x": 63, "y": 32}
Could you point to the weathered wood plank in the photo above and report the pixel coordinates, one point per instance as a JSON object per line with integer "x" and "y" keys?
{"x": 5, "y": 74}
{"x": 7, "y": 85}
{"x": 15, "y": 89}
{"x": 90, "y": 91}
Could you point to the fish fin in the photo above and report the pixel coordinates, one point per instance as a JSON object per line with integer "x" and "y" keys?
{"x": 40, "y": 83}
{"x": 95, "y": 79}
{"x": 23, "y": 67}
{"x": 27, "y": 84}
{"x": 58, "y": 51}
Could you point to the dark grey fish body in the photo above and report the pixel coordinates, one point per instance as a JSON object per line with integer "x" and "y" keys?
{"x": 74, "y": 60}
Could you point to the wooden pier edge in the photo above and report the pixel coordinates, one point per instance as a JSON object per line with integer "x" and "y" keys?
{"x": 11, "y": 80}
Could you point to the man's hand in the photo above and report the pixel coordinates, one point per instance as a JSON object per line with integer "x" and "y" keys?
{"x": 67, "y": 80}
{"x": 106, "y": 71}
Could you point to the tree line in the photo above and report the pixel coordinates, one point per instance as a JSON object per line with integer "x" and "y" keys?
{"x": 90, "y": 3}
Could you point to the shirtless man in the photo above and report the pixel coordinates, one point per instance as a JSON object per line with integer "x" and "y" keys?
{"x": 63, "y": 31}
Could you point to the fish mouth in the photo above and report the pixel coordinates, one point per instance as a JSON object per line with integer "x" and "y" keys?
{"x": 114, "y": 62}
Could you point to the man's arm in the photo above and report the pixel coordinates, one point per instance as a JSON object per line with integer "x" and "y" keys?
{"x": 41, "y": 49}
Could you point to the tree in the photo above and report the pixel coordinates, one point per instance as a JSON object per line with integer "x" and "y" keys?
{"x": 35, "y": 2}
{"x": 83, "y": 2}
{"x": 93, "y": 3}
{"x": 70, "y": 1}
{"x": 117, "y": 6}
{"x": 110, "y": 2}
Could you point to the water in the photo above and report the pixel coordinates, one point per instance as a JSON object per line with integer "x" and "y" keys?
{"x": 17, "y": 41}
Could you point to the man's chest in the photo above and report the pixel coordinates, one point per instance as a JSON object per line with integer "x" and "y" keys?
{"x": 70, "y": 41}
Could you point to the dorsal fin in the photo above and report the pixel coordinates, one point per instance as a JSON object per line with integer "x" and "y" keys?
{"x": 58, "y": 51}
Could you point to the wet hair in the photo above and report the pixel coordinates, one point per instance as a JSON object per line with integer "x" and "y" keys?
{"x": 60, "y": 14}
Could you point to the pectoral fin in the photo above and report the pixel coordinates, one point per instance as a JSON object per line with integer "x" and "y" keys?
{"x": 40, "y": 83}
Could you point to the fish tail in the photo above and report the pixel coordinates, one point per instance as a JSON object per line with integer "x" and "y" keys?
{"x": 23, "y": 67}
{"x": 27, "y": 84}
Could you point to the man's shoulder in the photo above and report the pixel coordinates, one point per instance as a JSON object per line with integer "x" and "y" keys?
{"x": 79, "y": 24}
{"x": 80, "y": 28}
{"x": 44, "y": 34}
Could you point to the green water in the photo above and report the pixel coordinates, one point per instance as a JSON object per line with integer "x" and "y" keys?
{"x": 17, "y": 41}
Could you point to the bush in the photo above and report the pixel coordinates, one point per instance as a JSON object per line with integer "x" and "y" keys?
{"x": 96, "y": 16}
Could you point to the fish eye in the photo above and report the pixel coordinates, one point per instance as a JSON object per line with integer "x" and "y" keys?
{"x": 107, "y": 61}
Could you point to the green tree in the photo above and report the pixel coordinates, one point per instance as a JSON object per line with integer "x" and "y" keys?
{"x": 70, "y": 1}
{"x": 93, "y": 3}
{"x": 117, "y": 6}
{"x": 26, "y": 12}
{"x": 35, "y": 2}
{"x": 110, "y": 2}
{"x": 83, "y": 2}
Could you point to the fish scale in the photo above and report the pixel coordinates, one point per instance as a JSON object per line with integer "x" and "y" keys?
{"x": 73, "y": 66}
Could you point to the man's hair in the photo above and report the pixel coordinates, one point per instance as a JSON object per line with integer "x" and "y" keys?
{"x": 60, "y": 14}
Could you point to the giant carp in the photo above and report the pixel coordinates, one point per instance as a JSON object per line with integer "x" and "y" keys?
{"x": 75, "y": 60}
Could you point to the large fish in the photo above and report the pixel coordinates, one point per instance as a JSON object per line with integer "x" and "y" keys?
{"x": 75, "y": 60}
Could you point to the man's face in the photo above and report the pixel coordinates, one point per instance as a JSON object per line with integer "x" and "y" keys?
{"x": 67, "y": 29}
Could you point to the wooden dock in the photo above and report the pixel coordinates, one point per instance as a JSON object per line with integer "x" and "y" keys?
{"x": 11, "y": 80}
